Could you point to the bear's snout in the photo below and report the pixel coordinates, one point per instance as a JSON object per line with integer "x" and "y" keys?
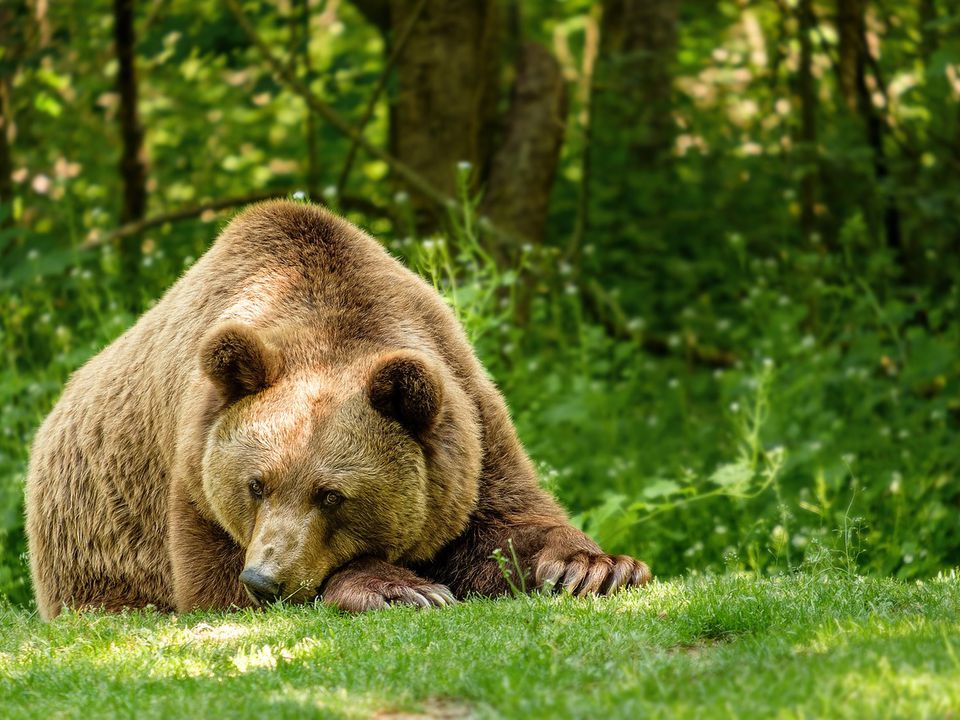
{"x": 261, "y": 588}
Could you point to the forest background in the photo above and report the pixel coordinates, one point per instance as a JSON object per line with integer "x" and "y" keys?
{"x": 708, "y": 250}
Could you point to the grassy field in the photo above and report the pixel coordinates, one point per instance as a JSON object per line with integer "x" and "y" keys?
{"x": 805, "y": 646}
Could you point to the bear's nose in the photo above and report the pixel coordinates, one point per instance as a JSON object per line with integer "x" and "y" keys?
{"x": 261, "y": 587}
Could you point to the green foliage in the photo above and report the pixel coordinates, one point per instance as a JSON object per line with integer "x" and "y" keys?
{"x": 763, "y": 400}
{"x": 840, "y": 412}
{"x": 513, "y": 571}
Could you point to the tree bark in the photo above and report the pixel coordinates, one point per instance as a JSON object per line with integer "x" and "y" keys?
{"x": 132, "y": 166}
{"x": 849, "y": 17}
{"x": 376, "y": 12}
{"x": 875, "y": 126}
{"x": 638, "y": 43}
{"x": 448, "y": 85}
{"x": 929, "y": 36}
{"x": 808, "y": 119}
{"x": 6, "y": 149}
{"x": 631, "y": 121}
{"x": 523, "y": 168}
{"x": 591, "y": 49}
{"x": 12, "y": 14}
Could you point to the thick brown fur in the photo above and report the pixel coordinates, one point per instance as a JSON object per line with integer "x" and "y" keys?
{"x": 301, "y": 404}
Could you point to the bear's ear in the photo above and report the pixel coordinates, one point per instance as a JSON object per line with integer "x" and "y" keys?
{"x": 405, "y": 386}
{"x": 237, "y": 361}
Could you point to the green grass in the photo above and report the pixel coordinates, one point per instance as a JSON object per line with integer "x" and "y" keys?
{"x": 805, "y": 646}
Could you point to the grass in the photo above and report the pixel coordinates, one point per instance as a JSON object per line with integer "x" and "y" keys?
{"x": 802, "y": 646}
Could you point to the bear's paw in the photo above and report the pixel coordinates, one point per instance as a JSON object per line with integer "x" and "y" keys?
{"x": 584, "y": 573}
{"x": 374, "y": 585}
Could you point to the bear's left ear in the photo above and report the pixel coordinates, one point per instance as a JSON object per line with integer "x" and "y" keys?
{"x": 405, "y": 386}
{"x": 237, "y": 360}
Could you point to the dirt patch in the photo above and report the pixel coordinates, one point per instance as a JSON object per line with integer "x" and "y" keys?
{"x": 697, "y": 648}
{"x": 433, "y": 709}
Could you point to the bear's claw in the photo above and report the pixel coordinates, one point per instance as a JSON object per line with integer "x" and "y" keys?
{"x": 362, "y": 591}
{"x": 424, "y": 596}
{"x": 592, "y": 574}
{"x": 439, "y": 594}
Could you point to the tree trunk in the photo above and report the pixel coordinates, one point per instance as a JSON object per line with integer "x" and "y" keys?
{"x": 448, "y": 85}
{"x": 376, "y": 12}
{"x": 6, "y": 151}
{"x": 849, "y": 17}
{"x": 875, "y": 126}
{"x": 638, "y": 44}
{"x": 929, "y": 36}
{"x": 11, "y": 15}
{"x": 524, "y": 166}
{"x": 591, "y": 49}
{"x": 132, "y": 166}
{"x": 808, "y": 120}
{"x": 631, "y": 129}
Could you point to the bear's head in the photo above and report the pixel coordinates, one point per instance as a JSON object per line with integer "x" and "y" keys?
{"x": 313, "y": 460}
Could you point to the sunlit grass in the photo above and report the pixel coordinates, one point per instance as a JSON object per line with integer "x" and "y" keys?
{"x": 809, "y": 645}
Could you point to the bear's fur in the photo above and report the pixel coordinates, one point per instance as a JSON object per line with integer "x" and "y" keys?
{"x": 301, "y": 410}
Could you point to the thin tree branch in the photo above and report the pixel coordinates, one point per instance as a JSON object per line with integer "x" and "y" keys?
{"x": 381, "y": 84}
{"x": 184, "y": 213}
{"x": 407, "y": 174}
{"x": 348, "y": 202}
{"x": 153, "y": 14}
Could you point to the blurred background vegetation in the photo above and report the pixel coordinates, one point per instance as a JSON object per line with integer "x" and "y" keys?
{"x": 709, "y": 250}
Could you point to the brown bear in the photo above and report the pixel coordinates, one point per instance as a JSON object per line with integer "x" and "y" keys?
{"x": 298, "y": 417}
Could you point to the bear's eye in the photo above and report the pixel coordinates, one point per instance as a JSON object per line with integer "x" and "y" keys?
{"x": 329, "y": 498}
{"x": 256, "y": 487}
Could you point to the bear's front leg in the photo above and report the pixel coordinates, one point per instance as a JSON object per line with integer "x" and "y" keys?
{"x": 206, "y": 562}
{"x": 534, "y": 553}
{"x": 370, "y": 584}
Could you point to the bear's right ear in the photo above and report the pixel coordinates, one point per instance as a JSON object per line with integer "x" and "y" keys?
{"x": 237, "y": 361}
